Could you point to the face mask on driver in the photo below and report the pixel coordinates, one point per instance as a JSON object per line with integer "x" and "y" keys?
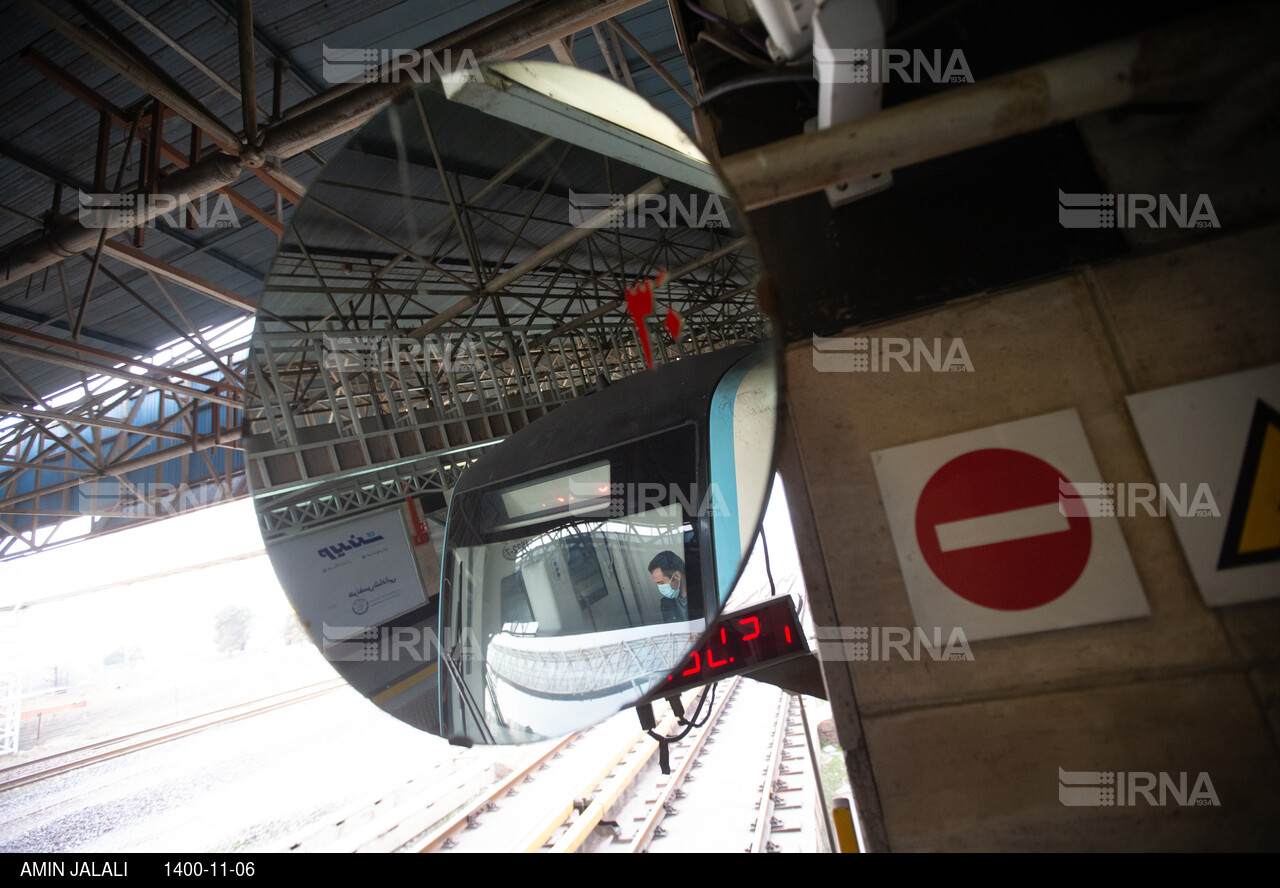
{"x": 667, "y": 591}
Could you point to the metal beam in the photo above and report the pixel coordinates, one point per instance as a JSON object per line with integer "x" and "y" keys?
{"x": 55, "y": 175}
{"x": 227, "y": 8}
{"x": 604, "y": 219}
{"x": 501, "y": 36}
{"x": 146, "y": 77}
{"x": 133, "y": 65}
{"x": 74, "y": 420}
{"x": 152, "y": 378}
{"x": 90, "y": 351}
{"x": 55, "y": 73}
{"x": 562, "y": 49}
{"x": 221, "y": 438}
{"x": 139, "y": 259}
{"x": 670, "y": 278}
{"x": 191, "y": 333}
{"x": 651, "y": 60}
{"x": 89, "y": 332}
{"x": 573, "y": 236}
{"x": 1172, "y": 63}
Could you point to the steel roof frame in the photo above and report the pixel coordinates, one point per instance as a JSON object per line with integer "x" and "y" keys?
{"x": 98, "y": 435}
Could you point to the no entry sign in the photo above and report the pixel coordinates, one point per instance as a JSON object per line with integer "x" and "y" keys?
{"x": 987, "y": 539}
{"x": 990, "y": 525}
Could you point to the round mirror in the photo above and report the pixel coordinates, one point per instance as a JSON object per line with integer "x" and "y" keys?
{"x": 513, "y": 403}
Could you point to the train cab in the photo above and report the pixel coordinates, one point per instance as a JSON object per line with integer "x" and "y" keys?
{"x": 585, "y": 555}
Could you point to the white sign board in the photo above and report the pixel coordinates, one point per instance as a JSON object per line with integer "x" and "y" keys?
{"x": 1223, "y": 434}
{"x": 349, "y": 576}
{"x": 990, "y": 535}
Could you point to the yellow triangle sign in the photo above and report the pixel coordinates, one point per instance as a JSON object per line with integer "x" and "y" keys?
{"x": 1253, "y": 527}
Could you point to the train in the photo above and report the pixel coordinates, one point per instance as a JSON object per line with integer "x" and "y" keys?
{"x": 586, "y": 554}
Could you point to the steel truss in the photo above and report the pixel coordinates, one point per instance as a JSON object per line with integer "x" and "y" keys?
{"x": 178, "y": 423}
{"x": 377, "y": 349}
{"x": 157, "y": 439}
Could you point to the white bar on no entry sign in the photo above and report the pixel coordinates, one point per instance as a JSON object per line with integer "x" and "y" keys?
{"x": 1001, "y": 527}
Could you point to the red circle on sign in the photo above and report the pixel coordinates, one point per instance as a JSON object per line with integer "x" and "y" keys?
{"x": 1013, "y": 574}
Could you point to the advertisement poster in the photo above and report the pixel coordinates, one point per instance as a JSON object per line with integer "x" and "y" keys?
{"x": 351, "y": 575}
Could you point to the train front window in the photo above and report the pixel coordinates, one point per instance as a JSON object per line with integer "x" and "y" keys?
{"x": 580, "y": 576}
{"x": 591, "y": 600}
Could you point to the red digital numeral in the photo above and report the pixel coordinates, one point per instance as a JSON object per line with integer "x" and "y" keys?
{"x": 788, "y": 630}
{"x": 711, "y": 661}
{"x": 697, "y": 665}
{"x": 753, "y": 634}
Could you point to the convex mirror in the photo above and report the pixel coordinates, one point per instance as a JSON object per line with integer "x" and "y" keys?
{"x": 513, "y": 403}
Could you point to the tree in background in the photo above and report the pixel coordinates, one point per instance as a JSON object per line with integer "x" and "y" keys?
{"x": 231, "y": 629}
{"x": 292, "y": 631}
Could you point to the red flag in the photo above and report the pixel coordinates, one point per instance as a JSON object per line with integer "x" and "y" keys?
{"x": 640, "y": 306}
{"x": 673, "y": 323}
{"x": 640, "y": 300}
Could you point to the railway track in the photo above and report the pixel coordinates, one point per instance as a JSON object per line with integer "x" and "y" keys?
{"x": 741, "y": 782}
{"x": 430, "y": 811}
{"x": 49, "y": 766}
{"x": 738, "y": 783}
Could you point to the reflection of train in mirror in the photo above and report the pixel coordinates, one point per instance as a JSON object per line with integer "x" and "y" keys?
{"x": 587, "y": 552}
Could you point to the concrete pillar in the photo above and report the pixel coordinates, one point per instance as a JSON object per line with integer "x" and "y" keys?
{"x": 965, "y": 756}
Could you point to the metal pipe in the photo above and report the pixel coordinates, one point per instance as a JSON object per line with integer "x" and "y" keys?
{"x": 19, "y": 259}
{"x": 343, "y": 108}
{"x": 1172, "y": 63}
{"x": 142, "y": 130}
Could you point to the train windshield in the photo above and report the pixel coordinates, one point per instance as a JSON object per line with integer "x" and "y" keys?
{"x": 581, "y": 587}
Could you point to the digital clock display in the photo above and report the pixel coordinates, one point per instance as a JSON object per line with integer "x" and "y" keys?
{"x": 739, "y": 642}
